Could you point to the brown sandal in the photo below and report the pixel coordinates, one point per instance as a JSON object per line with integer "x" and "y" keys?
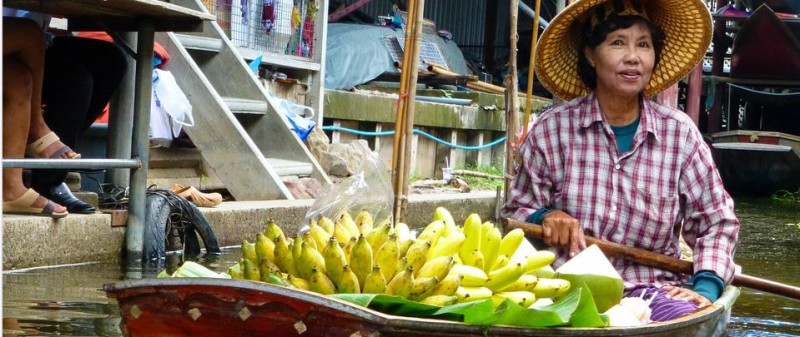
{"x": 24, "y": 205}
{"x": 35, "y": 148}
{"x": 196, "y": 197}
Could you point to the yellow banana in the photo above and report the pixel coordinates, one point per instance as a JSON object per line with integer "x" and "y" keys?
{"x": 283, "y": 257}
{"x": 249, "y": 252}
{"x": 472, "y": 232}
{"x": 401, "y": 284}
{"x": 421, "y": 287}
{"x": 510, "y": 242}
{"x": 297, "y": 246}
{"x": 447, "y": 245}
{"x": 417, "y": 254}
{"x": 443, "y": 215}
{"x": 448, "y": 285}
{"x": 387, "y": 257}
{"x": 251, "y": 271}
{"x": 348, "y": 282}
{"x": 298, "y": 282}
{"x": 440, "y": 300}
{"x": 309, "y": 259}
{"x": 438, "y": 267}
{"x": 477, "y": 259}
{"x": 525, "y": 282}
{"x": 523, "y": 298}
{"x": 401, "y": 264}
{"x": 273, "y": 231}
{"x": 326, "y": 224}
{"x": 490, "y": 246}
{"x": 378, "y": 236}
{"x": 334, "y": 259}
{"x": 402, "y": 232}
{"x": 266, "y": 267}
{"x": 500, "y": 262}
{"x": 432, "y": 232}
{"x": 503, "y": 277}
{"x": 361, "y": 259}
{"x": 320, "y": 236}
{"x": 348, "y": 247}
{"x": 264, "y": 247}
{"x": 468, "y": 294}
{"x": 311, "y": 242}
{"x": 538, "y": 260}
{"x": 235, "y": 271}
{"x": 375, "y": 282}
{"x": 473, "y": 277}
{"x": 404, "y": 245}
{"x": 352, "y": 227}
{"x": 364, "y": 222}
{"x": 341, "y": 233}
{"x": 550, "y": 287}
{"x": 320, "y": 283}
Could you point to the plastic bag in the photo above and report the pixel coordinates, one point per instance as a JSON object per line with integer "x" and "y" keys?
{"x": 299, "y": 116}
{"x": 369, "y": 189}
{"x": 170, "y": 110}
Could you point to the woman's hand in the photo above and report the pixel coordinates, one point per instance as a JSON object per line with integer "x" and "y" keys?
{"x": 680, "y": 293}
{"x": 562, "y": 230}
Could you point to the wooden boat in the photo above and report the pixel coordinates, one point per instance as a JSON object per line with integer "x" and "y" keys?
{"x": 223, "y": 307}
{"x": 757, "y": 162}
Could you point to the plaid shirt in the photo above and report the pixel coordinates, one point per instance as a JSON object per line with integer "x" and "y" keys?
{"x": 640, "y": 198}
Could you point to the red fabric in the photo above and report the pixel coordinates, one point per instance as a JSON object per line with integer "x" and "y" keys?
{"x": 642, "y": 198}
{"x": 158, "y": 50}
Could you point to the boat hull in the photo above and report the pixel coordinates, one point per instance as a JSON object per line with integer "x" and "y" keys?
{"x": 223, "y": 307}
{"x": 757, "y": 162}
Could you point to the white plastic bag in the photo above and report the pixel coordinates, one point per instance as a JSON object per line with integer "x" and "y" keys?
{"x": 170, "y": 110}
{"x": 300, "y": 117}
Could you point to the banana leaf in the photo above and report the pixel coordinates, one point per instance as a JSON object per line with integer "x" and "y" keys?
{"x": 576, "y": 309}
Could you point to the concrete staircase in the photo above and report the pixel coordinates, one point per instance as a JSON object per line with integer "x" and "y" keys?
{"x": 243, "y": 144}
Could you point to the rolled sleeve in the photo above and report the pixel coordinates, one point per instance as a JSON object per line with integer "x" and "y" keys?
{"x": 531, "y": 184}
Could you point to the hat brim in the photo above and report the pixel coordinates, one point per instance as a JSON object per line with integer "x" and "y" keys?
{"x": 686, "y": 25}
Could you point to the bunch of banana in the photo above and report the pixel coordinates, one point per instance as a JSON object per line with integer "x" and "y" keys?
{"x": 444, "y": 264}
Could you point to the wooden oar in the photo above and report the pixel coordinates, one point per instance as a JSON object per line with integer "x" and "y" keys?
{"x": 664, "y": 262}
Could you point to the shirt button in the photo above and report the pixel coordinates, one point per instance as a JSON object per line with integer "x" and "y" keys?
{"x": 613, "y": 208}
{"x": 618, "y": 166}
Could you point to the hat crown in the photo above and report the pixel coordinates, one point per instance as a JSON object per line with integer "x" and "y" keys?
{"x": 604, "y": 10}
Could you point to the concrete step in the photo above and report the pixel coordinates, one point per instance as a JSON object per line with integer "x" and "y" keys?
{"x": 193, "y": 42}
{"x": 241, "y": 106}
{"x": 286, "y": 167}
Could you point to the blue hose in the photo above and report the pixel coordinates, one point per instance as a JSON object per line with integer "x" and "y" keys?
{"x": 417, "y": 131}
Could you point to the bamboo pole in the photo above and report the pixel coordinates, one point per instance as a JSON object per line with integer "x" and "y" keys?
{"x": 400, "y": 119}
{"x": 512, "y": 108}
{"x": 531, "y": 70}
{"x": 411, "y": 61}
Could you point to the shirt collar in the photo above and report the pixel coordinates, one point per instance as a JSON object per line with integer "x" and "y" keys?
{"x": 592, "y": 114}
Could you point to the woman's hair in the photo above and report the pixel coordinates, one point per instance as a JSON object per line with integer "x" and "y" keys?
{"x": 591, "y": 38}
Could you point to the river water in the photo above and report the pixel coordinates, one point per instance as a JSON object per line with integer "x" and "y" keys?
{"x": 68, "y": 300}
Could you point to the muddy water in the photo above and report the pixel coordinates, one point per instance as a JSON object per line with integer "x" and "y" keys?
{"x": 68, "y": 301}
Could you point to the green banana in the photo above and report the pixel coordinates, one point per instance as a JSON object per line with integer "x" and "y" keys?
{"x": 440, "y": 300}
{"x": 503, "y": 277}
{"x": 283, "y": 257}
{"x": 273, "y": 231}
{"x": 375, "y": 282}
{"x": 320, "y": 283}
{"x": 525, "y": 282}
{"x": 297, "y": 246}
{"x": 235, "y": 271}
{"x": 387, "y": 257}
{"x": 321, "y": 237}
{"x": 348, "y": 248}
{"x": 251, "y": 271}
{"x": 378, "y": 236}
{"x": 469, "y": 294}
{"x": 326, "y": 224}
{"x": 401, "y": 284}
{"x": 446, "y": 245}
{"x": 348, "y": 282}
{"x": 438, "y": 267}
{"x": 550, "y": 287}
{"x": 523, "y": 298}
{"x": 266, "y": 267}
{"x": 417, "y": 254}
{"x": 490, "y": 246}
{"x": 341, "y": 233}
{"x": 473, "y": 277}
{"x": 448, "y": 285}
{"x": 264, "y": 247}
{"x": 432, "y": 232}
{"x": 334, "y": 259}
{"x": 364, "y": 222}
{"x": 443, "y": 215}
{"x": 500, "y": 262}
{"x": 298, "y": 282}
{"x": 472, "y": 232}
{"x": 511, "y": 241}
{"x": 361, "y": 259}
{"x": 249, "y": 252}
{"x": 309, "y": 259}
{"x": 352, "y": 227}
{"x": 421, "y": 287}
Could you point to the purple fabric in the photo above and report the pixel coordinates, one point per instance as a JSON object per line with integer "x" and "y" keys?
{"x": 663, "y": 308}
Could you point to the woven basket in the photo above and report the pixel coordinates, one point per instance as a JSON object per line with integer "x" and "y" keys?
{"x": 211, "y": 6}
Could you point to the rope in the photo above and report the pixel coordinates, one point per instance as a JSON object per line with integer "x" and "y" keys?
{"x": 417, "y": 131}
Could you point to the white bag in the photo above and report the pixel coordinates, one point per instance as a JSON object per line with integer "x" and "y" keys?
{"x": 170, "y": 110}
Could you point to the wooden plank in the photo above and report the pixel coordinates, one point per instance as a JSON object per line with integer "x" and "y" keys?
{"x": 155, "y": 9}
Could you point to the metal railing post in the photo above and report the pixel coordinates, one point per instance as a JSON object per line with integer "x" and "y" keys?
{"x": 120, "y": 120}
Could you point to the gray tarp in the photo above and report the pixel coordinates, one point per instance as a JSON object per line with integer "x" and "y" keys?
{"x": 357, "y": 54}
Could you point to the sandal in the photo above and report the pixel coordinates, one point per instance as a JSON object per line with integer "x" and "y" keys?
{"x": 198, "y": 198}
{"x": 24, "y": 205}
{"x": 34, "y": 149}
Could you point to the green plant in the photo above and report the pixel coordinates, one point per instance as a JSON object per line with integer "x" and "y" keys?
{"x": 784, "y": 195}
{"x": 481, "y": 183}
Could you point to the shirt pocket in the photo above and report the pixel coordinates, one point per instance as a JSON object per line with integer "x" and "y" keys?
{"x": 652, "y": 218}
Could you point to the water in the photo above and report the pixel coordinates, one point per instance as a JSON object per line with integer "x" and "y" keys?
{"x": 68, "y": 301}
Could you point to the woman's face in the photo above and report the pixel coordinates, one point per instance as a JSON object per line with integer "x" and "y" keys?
{"x": 623, "y": 61}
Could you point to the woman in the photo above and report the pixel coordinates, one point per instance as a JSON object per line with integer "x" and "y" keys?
{"x": 614, "y": 165}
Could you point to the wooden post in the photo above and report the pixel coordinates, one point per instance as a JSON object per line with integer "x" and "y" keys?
{"x": 531, "y": 70}
{"x": 512, "y": 101}
{"x": 489, "y": 34}
{"x": 694, "y": 92}
{"x": 718, "y": 58}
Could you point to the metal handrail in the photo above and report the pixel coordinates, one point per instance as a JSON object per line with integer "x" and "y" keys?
{"x": 72, "y": 163}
